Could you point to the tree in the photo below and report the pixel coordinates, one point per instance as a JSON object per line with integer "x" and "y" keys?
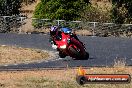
{"x": 60, "y": 9}
{"x": 122, "y": 11}
{"x": 9, "y": 7}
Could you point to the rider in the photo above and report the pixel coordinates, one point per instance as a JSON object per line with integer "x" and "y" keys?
{"x": 54, "y": 31}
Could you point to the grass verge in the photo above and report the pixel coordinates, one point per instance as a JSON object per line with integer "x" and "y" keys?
{"x": 58, "y": 78}
{"x": 12, "y": 55}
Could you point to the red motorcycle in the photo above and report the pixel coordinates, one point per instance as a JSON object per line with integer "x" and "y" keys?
{"x": 69, "y": 46}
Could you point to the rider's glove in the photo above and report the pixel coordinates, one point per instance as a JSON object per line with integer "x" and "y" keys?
{"x": 51, "y": 42}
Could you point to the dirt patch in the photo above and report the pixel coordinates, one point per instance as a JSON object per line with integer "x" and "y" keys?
{"x": 12, "y": 55}
{"x": 84, "y": 32}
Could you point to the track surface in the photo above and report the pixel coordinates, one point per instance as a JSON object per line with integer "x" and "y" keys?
{"x": 103, "y": 51}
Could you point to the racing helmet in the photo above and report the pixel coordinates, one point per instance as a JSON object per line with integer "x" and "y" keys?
{"x": 53, "y": 30}
{"x": 66, "y": 30}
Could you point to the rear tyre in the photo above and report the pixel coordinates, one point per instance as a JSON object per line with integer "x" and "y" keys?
{"x": 86, "y": 56}
{"x": 74, "y": 53}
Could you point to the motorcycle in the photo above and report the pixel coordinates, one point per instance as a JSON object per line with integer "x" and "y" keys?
{"x": 69, "y": 46}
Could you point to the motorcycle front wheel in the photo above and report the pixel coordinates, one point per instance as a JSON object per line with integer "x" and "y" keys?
{"x": 61, "y": 54}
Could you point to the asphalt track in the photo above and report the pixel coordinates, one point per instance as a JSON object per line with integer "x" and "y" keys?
{"x": 103, "y": 51}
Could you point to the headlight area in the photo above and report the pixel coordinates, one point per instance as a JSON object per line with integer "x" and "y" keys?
{"x": 63, "y": 47}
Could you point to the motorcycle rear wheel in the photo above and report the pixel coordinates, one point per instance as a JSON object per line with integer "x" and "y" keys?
{"x": 86, "y": 56}
{"x": 75, "y": 53}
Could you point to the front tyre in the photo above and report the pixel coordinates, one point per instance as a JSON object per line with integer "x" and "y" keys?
{"x": 61, "y": 54}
